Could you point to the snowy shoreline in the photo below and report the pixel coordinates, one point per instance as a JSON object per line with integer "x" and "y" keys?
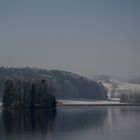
{"x": 93, "y": 103}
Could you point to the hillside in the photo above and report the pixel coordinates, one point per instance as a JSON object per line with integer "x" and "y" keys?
{"x": 116, "y": 88}
{"x": 67, "y": 85}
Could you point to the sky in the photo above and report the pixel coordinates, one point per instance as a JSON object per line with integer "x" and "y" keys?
{"x": 87, "y": 37}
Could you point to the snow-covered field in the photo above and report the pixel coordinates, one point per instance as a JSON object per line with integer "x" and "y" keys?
{"x": 124, "y": 86}
{"x": 92, "y": 103}
{"x": 71, "y": 102}
{"x": 119, "y": 87}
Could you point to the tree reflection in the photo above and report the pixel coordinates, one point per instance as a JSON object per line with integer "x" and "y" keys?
{"x": 28, "y": 121}
{"x": 45, "y": 124}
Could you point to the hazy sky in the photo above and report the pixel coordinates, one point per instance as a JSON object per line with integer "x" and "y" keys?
{"x": 84, "y": 36}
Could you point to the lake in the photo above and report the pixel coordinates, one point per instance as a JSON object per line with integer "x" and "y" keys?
{"x": 72, "y": 123}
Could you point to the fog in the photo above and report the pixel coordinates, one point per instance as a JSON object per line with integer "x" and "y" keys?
{"x": 88, "y": 37}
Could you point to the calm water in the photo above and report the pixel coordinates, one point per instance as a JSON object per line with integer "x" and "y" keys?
{"x": 71, "y": 123}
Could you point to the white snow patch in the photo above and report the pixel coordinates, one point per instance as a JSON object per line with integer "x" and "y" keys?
{"x": 102, "y": 102}
{"x": 121, "y": 87}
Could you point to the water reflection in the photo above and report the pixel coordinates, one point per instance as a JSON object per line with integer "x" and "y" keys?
{"x": 23, "y": 123}
{"x": 79, "y": 119}
{"x": 28, "y": 121}
{"x": 80, "y": 123}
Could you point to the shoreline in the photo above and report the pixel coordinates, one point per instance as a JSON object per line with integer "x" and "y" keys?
{"x": 96, "y": 103}
{"x": 93, "y": 103}
{"x": 121, "y": 104}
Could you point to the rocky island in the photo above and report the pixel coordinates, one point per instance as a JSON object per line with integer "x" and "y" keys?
{"x": 27, "y": 93}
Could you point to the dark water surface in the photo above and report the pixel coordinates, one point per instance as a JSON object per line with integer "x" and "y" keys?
{"x": 71, "y": 123}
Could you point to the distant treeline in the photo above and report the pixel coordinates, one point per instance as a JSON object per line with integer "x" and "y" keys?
{"x": 128, "y": 97}
{"x": 67, "y": 85}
